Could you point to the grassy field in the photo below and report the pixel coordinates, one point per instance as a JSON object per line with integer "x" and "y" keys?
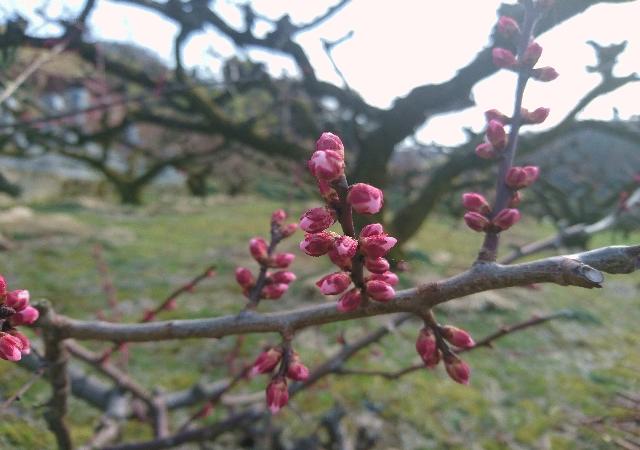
{"x": 537, "y": 389}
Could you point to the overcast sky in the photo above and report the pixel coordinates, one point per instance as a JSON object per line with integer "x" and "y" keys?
{"x": 398, "y": 45}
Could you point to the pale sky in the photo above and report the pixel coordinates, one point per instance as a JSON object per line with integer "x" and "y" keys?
{"x": 399, "y": 45}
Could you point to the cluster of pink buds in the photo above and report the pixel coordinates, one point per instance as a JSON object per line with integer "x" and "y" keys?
{"x": 14, "y": 310}
{"x": 349, "y": 253}
{"x": 290, "y": 367}
{"x": 432, "y": 347}
{"x": 269, "y": 285}
{"x": 480, "y": 216}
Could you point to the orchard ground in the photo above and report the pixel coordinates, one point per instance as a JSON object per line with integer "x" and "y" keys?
{"x": 552, "y": 386}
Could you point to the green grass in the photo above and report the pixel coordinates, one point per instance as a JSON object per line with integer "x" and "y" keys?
{"x": 531, "y": 391}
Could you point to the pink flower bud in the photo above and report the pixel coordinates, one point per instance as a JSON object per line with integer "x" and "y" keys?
{"x": 10, "y": 347}
{"x": 365, "y": 199}
{"x": 3, "y": 285}
{"x": 334, "y": 283}
{"x": 516, "y": 198}
{"x": 373, "y": 229}
{"x": 388, "y": 277}
{"x": 288, "y": 230}
{"x": 380, "y": 291}
{"x": 531, "y": 55}
{"x": 496, "y": 135}
{"x": 344, "y": 262}
{"x": 427, "y": 348}
{"x": 326, "y": 165}
{"x": 328, "y": 193}
{"x": 376, "y": 265}
{"x": 25, "y": 348}
{"x": 296, "y": 370}
{"x": 494, "y": 114}
{"x": 486, "y": 151}
{"x": 18, "y": 299}
{"x": 537, "y": 116}
{"x": 266, "y": 361}
{"x": 458, "y": 370}
{"x": 472, "y": 201}
{"x": 508, "y": 27}
{"x": 283, "y": 260}
{"x": 25, "y": 317}
{"x": 317, "y": 244}
{"x": 258, "y": 248}
{"x": 476, "y": 221}
{"x": 503, "y": 58}
{"x": 377, "y": 245}
{"x": 274, "y": 291}
{"x": 506, "y": 218}
{"x": 283, "y": 277}
{"x": 350, "y": 301}
{"x": 244, "y": 277}
{"x": 346, "y": 246}
{"x": 457, "y": 336}
{"x": 544, "y": 74}
{"x": 317, "y": 219}
{"x": 329, "y": 141}
{"x": 278, "y": 216}
{"x": 277, "y": 394}
{"x": 521, "y": 177}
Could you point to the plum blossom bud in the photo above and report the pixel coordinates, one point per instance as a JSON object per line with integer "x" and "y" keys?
{"x": 334, "y": 283}
{"x": 494, "y": 114}
{"x": 277, "y": 394}
{"x": 288, "y": 230}
{"x": 458, "y": 370}
{"x": 283, "y": 277}
{"x": 380, "y": 291}
{"x": 388, "y": 277}
{"x": 496, "y": 135}
{"x": 350, "y": 301}
{"x": 521, "y": 177}
{"x": 282, "y": 260}
{"x": 18, "y": 299}
{"x": 329, "y": 141}
{"x": 258, "y": 248}
{"x": 457, "y": 336}
{"x": 346, "y": 246}
{"x": 427, "y": 348}
{"x": 531, "y": 54}
{"x": 515, "y": 200}
{"x": 328, "y": 193}
{"x": 372, "y": 229}
{"x": 10, "y": 347}
{"x": 274, "y": 291}
{"x": 544, "y": 74}
{"x": 317, "y": 244}
{"x": 326, "y": 165}
{"x": 377, "y": 245}
{"x": 278, "y": 216}
{"x": 365, "y": 199}
{"x": 26, "y": 345}
{"x": 376, "y": 265}
{"x": 472, "y": 201}
{"x": 344, "y": 262}
{"x": 476, "y": 221}
{"x": 244, "y": 277}
{"x": 536, "y": 116}
{"x": 508, "y": 27}
{"x": 266, "y": 361}
{"x": 317, "y": 219}
{"x": 506, "y": 218}
{"x": 486, "y": 151}
{"x": 3, "y": 285}
{"x": 25, "y": 317}
{"x": 296, "y": 370}
{"x": 503, "y": 58}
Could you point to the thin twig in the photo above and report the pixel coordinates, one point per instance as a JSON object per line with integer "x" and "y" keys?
{"x": 20, "y": 392}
